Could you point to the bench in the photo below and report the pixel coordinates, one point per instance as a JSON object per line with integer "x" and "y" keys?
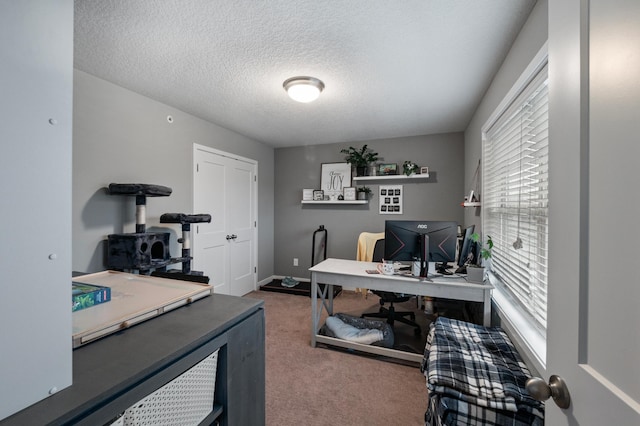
{"x": 475, "y": 376}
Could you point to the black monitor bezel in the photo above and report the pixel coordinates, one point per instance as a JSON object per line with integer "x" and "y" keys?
{"x": 421, "y": 227}
{"x": 467, "y": 245}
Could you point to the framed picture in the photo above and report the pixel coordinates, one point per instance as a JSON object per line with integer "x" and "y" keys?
{"x": 390, "y": 199}
{"x": 318, "y": 195}
{"x": 334, "y": 177}
{"x": 388, "y": 169}
{"x": 349, "y": 193}
{"x": 307, "y": 194}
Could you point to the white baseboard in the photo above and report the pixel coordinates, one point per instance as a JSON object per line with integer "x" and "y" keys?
{"x": 265, "y": 281}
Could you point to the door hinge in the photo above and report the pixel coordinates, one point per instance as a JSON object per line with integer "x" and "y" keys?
{"x": 255, "y": 224}
{"x": 197, "y": 167}
{"x": 255, "y": 270}
{"x": 255, "y": 178}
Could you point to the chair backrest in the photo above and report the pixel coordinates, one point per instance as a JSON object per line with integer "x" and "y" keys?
{"x": 366, "y": 244}
{"x": 378, "y": 251}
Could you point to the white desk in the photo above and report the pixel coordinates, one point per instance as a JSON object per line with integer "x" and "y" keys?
{"x": 351, "y": 274}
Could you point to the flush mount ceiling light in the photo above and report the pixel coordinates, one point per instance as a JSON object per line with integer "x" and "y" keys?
{"x": 303, "y": 89}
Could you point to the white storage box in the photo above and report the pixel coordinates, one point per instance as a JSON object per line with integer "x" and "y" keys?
{"x": 186, "y": 400}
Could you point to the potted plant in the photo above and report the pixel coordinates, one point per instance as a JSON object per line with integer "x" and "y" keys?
{"x": 409, "y": 168}
{"x": 475, "y": 272}
{"x": 360, "y": 158}
{"x": 363, "y": 192}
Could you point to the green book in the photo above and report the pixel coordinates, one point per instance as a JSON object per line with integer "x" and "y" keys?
{"x": 86, "y": 295}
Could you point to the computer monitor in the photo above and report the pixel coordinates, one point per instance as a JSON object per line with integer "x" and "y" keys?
{"x": 424, "y": 240}
{"x": 467, "y": 247}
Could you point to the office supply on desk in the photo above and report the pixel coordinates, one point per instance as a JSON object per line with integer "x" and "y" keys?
{"x": 386, "y": 268}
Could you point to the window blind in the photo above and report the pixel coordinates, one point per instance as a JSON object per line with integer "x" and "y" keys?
{"x": 516, "y": 196}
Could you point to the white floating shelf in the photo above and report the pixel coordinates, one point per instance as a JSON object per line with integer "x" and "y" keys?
{"x": 474, "y": 204}
{"x": 390, "y": 177}
{"x": 335, "y": 202}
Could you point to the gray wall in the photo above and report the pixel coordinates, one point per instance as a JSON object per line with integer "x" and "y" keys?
{"x": 123, "y": 137}
{"x": 35, "y": 187}
{"x": 437, "y": 198}
{"x": 532, "y": 37}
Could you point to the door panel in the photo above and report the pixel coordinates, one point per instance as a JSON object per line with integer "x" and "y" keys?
{"x": 242, "y": 224}
{"x": 213, "y": 261}
{"x": 614, "y": 99}
{"x": 209, "y": 254}
{"x": 593, "y": 331}
{"x": 239, "y": 185}
{"x": 241, "y": 270}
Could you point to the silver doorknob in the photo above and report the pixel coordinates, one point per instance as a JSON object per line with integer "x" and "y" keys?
{"x": 556, "y": 389}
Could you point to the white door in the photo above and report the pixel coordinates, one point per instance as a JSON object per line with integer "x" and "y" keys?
{"x": 594, "y": 289}
{"x": 242, "y": 224}
{"x": 224, "y": 186}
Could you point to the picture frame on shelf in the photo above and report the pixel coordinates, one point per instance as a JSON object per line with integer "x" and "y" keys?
{"x": 334, "y": 177}
{"x": 307, "y": 194}
{"x": 349, "y": 193}
{"x": 318, "y": 195}
{"x": 424, "y": 170}
{"x": 388, "y": 169}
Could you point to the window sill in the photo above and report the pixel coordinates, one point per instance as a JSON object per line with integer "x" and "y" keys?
{"x": 528, "y": 339}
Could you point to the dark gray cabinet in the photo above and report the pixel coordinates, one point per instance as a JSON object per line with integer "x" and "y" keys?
{"x": 115, "y": 372}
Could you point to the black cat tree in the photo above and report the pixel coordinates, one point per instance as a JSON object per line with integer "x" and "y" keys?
{"x": 148, "y": 252}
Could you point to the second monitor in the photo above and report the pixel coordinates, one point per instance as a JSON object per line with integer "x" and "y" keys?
{"x": 424, "y": 240}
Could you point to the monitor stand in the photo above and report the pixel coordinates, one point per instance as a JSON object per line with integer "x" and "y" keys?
{"x": 424, "y": 256}
{"x": 443, "y": 268}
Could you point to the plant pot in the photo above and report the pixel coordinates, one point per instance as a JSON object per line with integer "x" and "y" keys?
{"x": 361, "y": 171}
{"x": 475, "y": 274}
{"x": 362, "y": 196}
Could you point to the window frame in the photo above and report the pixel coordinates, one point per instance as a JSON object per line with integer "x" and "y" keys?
{"x": 523, "y": 330}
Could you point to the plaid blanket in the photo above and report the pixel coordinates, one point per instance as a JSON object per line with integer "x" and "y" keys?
{"x": 445, "y": 411}
{"x": 475, "y": 375}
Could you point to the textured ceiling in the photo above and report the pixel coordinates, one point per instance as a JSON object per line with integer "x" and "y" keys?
{"x": 391, "y": 68}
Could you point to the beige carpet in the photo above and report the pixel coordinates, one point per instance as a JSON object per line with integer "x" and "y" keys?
{"x": 321, "y": 386}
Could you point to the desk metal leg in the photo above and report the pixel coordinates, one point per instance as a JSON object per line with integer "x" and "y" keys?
{"x": 486, "y": 307}
{"x": 314, "y": 309}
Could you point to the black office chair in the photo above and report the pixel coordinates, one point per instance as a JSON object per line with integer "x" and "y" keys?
{"x": 389, "y": 297}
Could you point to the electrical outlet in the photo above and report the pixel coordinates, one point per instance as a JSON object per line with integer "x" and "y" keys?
{"x": 295, "y": 261}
